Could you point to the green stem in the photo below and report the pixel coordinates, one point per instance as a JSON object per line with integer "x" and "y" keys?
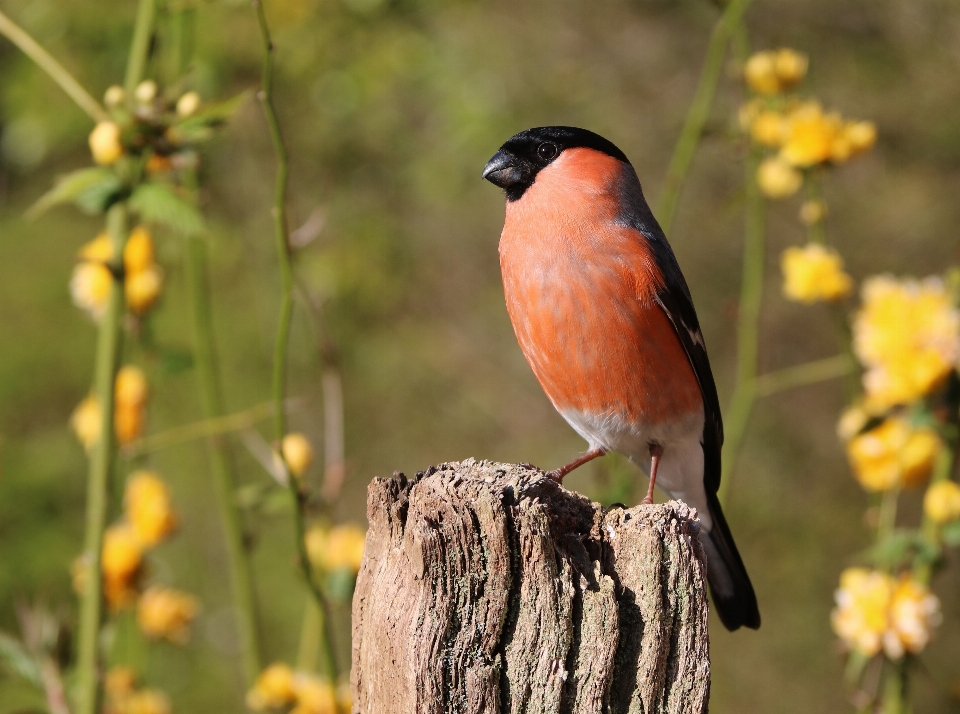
{"x": 699, "y": 111}
{"x": 887, "y": 518}
{"x": 802, "y": 375}
{"x": 224, "y": 478}
{"x": 139, "y": 47}
{"x": 895, "y": 688}
{"x": 283, "y": 330}
{"x": 748, "y": 324}
{"x": 45, "y": 61}
{"x": 101, "y": 463}
{"x": 309, "y": 637}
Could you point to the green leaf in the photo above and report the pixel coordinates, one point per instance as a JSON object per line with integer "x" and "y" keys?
{"x": 16, "y": 656}
{"x": 892, "y": 551}
{"x": 951, "y": 533}
{"x": 160, "y": 203}
{"x": 92, "y": 189}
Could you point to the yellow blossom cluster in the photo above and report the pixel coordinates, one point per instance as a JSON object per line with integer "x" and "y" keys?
{"x": 893, "y": 454}
{"x": 339, "y": 548}
{"x": 165, "y": 613}
{"x": 123, "y": 697}
{"x": 814, "y": 273}
{"x": 907, "y": 336}
{"x": 279, "y": 687}
{"x": 130, "y": 404}
{"x": 876, "y": 611}
{"x": 941, "y": 502}
{"x": 801, "y": 132}
{"x": 148, "y": 519}
{"x": 92, "y": 278}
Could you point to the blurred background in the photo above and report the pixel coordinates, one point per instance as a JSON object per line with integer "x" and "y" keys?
{"x": 391, "y": 108}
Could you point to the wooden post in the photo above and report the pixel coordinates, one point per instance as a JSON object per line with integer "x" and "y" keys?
{"x": 487, "y": 588}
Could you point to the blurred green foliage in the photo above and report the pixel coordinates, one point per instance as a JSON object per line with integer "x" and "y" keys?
{"x": 391, "y": 108}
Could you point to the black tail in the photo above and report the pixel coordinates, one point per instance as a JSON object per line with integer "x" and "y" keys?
{"x": 733, "y": 595}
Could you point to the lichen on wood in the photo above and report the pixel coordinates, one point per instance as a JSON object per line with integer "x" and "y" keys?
{"x": 487, "y": 588}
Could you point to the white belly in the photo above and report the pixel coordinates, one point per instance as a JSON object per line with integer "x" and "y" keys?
{"x": 680, "y": 473}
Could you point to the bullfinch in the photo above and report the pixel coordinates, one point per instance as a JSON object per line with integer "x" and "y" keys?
{"x": 605, "y": 319}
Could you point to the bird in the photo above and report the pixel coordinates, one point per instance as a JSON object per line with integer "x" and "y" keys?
{"x": 606, "y": 321}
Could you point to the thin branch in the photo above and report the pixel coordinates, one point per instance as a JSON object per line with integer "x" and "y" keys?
{"x": 222, "y": 469}
{"x": 206, "y": 428}
{"x": 101, "y": 465}
{"x": 699, "y": 111}
{"x": 139, "y": 47}
{"x": 283, "y": 330}
{"x": 45, "y": 61}
{"x": 802, "y": 375}
{"x": 748, "y": 328}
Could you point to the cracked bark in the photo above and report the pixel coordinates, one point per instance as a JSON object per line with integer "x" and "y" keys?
{"x": 486, "y": 588}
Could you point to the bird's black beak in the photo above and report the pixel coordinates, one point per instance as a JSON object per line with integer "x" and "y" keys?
{"x": 503, "y": 170}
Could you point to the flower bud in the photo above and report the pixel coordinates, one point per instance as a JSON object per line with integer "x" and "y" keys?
{"x": 941, "y": 502}
{"x": 188, "y": 104}
{"x": 146, "y": 91}
{"x": 761, "y": 74}
{"x": 105, "y": 143}
{"x": 778, "y": 179}
{"x": 114, "y": 96}
{"x": 297, "y": 452}
{"x": 790, "y": 67}
{"x": 812, "y": 212}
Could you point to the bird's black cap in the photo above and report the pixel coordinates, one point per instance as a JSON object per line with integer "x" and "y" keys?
{"x": 515, "y": 166}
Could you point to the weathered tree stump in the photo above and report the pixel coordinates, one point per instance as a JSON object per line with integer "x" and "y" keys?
{"x": 488, "y": 588}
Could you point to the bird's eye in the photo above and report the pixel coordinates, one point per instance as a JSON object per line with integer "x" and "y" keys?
{"x": 547, "y": 151}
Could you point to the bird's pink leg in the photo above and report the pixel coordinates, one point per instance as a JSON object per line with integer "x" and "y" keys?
{"x": 656, "y": 451}
{"x": 558, "y": 474}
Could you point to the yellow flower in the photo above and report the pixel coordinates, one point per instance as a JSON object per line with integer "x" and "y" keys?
{"x": 914, "y": 612}
{"x": 105, "y": 143}
{"x": 121, "y": 561}
{"x": 297, "y": 452}
{"x": 314, "y": 695}
{"x": 941, "y": 502}
{"x": 809, "y": 135}
{"x": 790, "y": 67}
{"x": 114, "y": 96}
{"x": 339, "y": 548}
{"x": 99, "y": 250}
{"x": 814, "y": 273}
{"x": 862, "y": 614}
{"x": 138, "y": 252}
{"x": 146, "y": 701}
{"x": 131, "y": 386}
{"x": 119, "y": 681}
{"x": 812, "y": 212}
{"x": 773, "y": 71}
{"x": 128, "y": 423}
{"x": 875, "y": 611}
{"x": 90, "y": 288}
{"x": 86, "y": 421}
{"x": 778, "y": 179}
{"x": 188, "y": 104}
{"x": 166, "y": 613}
{"x": 141, "y": 289}
{"x": 893, "y": 453}
{"x": 147, "y": 508}
{"x": 760, "y": 72}
{"x": 907, "y": 335}
{"x": 273, "y": 688}
{"x": 767, "y": 129}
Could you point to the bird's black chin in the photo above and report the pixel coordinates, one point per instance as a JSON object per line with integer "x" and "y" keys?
{"x": 509, "y": 173}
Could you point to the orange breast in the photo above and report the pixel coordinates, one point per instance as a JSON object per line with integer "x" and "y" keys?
{"x": 580, "y": 292}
